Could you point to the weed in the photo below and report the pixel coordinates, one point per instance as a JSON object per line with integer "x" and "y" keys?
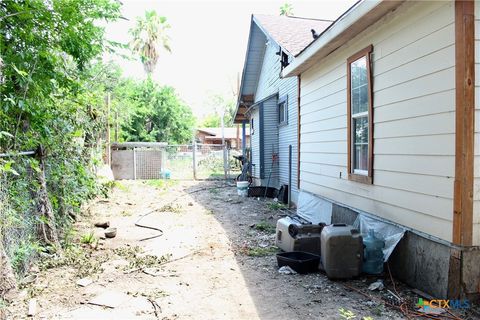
{"x": 88, "y": 238}
{"x": 346, "y": 314}
{"x": 138, "y": 260}
{"x": 121, "y": 186}
{"x": 265, "y": 226}
{"x": 378, "y": 309}
{"x": 81, "y": 260}
{"x": 175, "y": 208}
{"x": 24, "y": 254}
{"x": 276, "y": 206}
{"x": 152, "y": 295}
{"x": 126, "y": 213}
{"x": 214, "y": 191}
{"x": 162, "y": 183}
{"x": 261, "y": 252}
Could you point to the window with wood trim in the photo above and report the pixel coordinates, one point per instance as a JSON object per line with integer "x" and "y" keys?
{"x": 283, "y": 110}
{"x": 360, "y": 116}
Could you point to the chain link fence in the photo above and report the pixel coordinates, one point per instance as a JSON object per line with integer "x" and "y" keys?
{"x": 18, "y": 225}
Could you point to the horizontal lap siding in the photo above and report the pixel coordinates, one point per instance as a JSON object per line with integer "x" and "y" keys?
{"x": 476, "y": 190}
{"x": 270, "y": 144}
{"x": 255, "y": 143}
{"x": 287, "y": 134}
{"x": 277, "y": 139}
{"x": 414, "y": 121}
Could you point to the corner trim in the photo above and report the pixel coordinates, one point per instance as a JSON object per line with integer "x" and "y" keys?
{"x": 464, "y": 122}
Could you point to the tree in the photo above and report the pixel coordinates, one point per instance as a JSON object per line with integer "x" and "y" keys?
{"x": 286, "y": 9}
{"x": 50, "y": 95}
{"x": 156, "y": 114}
{"x": 148, "y": 35}
{"x": 220, "y": 104}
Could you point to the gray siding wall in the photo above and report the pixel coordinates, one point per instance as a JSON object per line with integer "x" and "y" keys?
{"x": 269, "y": 82}
{"x": 270, "y": 142}
{"x": 255, "y": 143}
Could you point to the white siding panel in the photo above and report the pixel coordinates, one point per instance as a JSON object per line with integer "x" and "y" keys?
{"x": 430, "y": 224}
{"x": 441, "y": 145}
{"x": 414, "y": 120}
{"x": 431, "y": 104}
{"x": 442, "y": 166}
{"x": 444, "y": 123}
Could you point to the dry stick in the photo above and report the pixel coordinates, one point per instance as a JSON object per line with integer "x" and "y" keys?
{"x": 407, "y": 314}
{"x": 395, "y": 289}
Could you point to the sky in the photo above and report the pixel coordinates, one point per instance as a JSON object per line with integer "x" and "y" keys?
{"x": 208, "y": 41}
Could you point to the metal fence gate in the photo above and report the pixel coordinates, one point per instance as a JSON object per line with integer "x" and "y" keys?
{"x": 140, "y": 160}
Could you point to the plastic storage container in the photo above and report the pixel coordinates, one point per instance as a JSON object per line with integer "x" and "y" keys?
{"x": 372, "y": 253}
{"x": 297, "y": 234}
{"x": 302, "y": 262}
{"x": 242, "y": 188}
{"x": 342, "y": 251}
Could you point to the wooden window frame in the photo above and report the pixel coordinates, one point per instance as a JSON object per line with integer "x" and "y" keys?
{"x": 367, "y": 178}
{"x": 283, "y": 100}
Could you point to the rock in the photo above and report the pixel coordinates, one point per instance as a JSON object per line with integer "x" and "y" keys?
{"x": 102, "y": 224}
{"x": 32, "y": 307}
{"x": 84, "y": 282}
{"x": 110, "y": 232}
{"x": 377, "y": 285}
{"x": 190, "y": 204}
{"x": 286, "y": 270}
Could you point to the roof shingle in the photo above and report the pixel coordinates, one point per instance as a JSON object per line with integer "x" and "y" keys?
{"x": 291, "y": 33}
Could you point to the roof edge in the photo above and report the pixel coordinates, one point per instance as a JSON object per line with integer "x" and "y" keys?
{"x": 338, "y": 33}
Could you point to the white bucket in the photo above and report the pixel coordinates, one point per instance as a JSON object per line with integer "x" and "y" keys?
{"x": 242, "y": 188}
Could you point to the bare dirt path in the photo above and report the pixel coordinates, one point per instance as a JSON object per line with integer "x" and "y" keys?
{"x": 214, "y": 260}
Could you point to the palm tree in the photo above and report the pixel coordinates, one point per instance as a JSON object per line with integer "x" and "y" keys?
{"x": 286, "y": 9}
{"x": 148, "y": 35}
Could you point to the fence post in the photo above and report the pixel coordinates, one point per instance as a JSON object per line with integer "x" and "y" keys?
{"x": 134, "y": 163}
{"x": 194, "y": 151}
{"x": 225, "y": 162}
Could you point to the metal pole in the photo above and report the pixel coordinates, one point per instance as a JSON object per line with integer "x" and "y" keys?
{"x": 224, "y": 146}
{"x": 244, "y": 138}
{"x": 108, "y": 130}
{"x": 194, "y": 151}
{"x": 289, "y": 175}
{"x": 134, "y": 163}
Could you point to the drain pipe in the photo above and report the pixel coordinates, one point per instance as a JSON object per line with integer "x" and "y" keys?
{"x": 289, "y": 175}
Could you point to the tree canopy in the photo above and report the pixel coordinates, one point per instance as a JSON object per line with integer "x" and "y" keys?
{"x": 148, "y": 36}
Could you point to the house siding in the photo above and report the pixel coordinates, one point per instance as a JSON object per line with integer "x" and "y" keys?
{"x": 270, "y": 83}
{"x": 270, "y": 142}
{"x": 255, "y": 143}
{"x": 476, "y": 175}
{"x": 414, "y": 120}
{"x": 255, "y": 53}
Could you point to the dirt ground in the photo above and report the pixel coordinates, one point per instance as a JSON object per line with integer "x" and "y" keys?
{"x": 214, "y": 260}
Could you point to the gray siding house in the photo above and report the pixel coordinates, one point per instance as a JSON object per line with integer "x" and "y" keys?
{"x": 269, "y": 103}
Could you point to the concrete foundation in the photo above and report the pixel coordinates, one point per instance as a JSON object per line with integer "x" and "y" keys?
{"x": 434, "y": 266}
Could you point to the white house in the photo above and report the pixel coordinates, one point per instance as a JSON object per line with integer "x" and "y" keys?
{"x": 269, "y": 103}
{"x": 388, "y": 101}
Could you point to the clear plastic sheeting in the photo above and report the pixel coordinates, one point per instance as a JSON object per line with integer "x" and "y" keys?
{"x": 389, "y": 233}
{"x": 314, "y": 209}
